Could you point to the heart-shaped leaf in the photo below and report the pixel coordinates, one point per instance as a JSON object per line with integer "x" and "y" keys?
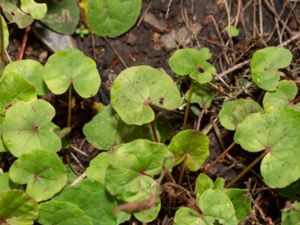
{"x": 17, "y": 208}
{"x": 68, "y": 67}
{"x": 42, "y": 171}
{"x": 273, "y": 131}
{"x": 291, "y": 215}
{"x": 62, "y": 213}
{"x": 235, "y": 111}
{"x": 92, "y": 199}
{"x": 193, "y": 62}
{"x": 36, "y": 10}
{"x": 202, "y": 95}
{"x": 62, "y": 16}
{"x": 190, "y": 146}
{"x": 265, "y": 65}
{"x": 132, "y": 179}
{"x": 138, "y": 88}
{"x": 28, "y": 126}
{"x": 111, "y": 17}
{"x": 31, "y": 71}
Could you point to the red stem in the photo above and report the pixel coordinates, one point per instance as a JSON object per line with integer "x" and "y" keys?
{"x": 24, "y": 42}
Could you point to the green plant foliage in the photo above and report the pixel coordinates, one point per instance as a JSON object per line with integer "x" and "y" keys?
{"x": 291, "y": 215}
{"x": 232, "y": 31}
{"x": 6, "y": 184}
{"x": 138, "y": 88}
{"x": 273, "y": 131}
{"x": 235, "y": 111}
{"x": 5, "y": 33}
{"x": 111, "y": 18}
{"x": 14, "y": 87}
{"x": 187, "y": 216}
{"x": 62, "y": 16}
{"x": 193, "y": 62}
{"x": 132, "y": 179}
{"x": 107, "y": 129}
{"x": 164, "y": 128}
{"x": 31, "y": 71}
{"x": 284, "y": 94}
{"x": 265, "y": 65}
{"x": 68, "y": 67}
{"x": 28, "y": 126}
{"x": 292, "y": 191}
{"x": 14, "y": 14}
{"x": 148, "y": 215}
{"x": 17, "y": 208}
{"x": 36, "y": 10}
{"x": 42, "y": 171}
{"x": 190, "y": 146}
{"x": 202, "y": 95}
{"x": 62, "y": 213}
{"x": 203, "y": 183}
{"x": 92, "y": 199}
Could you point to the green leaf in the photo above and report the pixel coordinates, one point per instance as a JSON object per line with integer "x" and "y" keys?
{"x": 203, "y": 183}
{"x": 291, "y": 215}
{"x": 17, "y": 208}
{"x": 14, "y": 87}
{"x": 132, "y": 179}
{"x": 148, "y": 215}
{"x": 292, "y": 191}
{"x": 187, "y": 216}
{"x": 202, "y": 95}
{"x": 28, "y": 126}
{"x": 284, "y": 94}
{"x": 62, "y": 213}
{"x": 265, "y": 65}
{"x": 6, "y": 184}
{"x": 111, "y": 17}
{"x": 14, "y": 14}
{"x": 42, "y": 171}
{"x": 138, "y": 88}
{"x": 193, "y": 62}
{"x": 62, "y": 16}
{"x": 68, "y": 67}
{"x": 36, "y": 10}
{"x": 274, "y": 132}
{"x": 31, "y": 71}
{"x": 190, "y": 146}
{"x": 164, "y": 128}
{"x": 5, "y": 33}
{"x": 106, "y": 129}
{"x": 232, "y": 31}
{"x": 92, "y": 199}
{"x": 240, "y": 201}
{"x": 235, "y": 111}
{"x": 98, "y": 166}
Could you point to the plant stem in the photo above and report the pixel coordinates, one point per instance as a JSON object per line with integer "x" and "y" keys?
{"x": 182, "y": 171}
{"x": 153, "y": 128}
{"x": 241, "y": 174}
{"x": 187, "y": 108}
{"x": 69, "y": 106}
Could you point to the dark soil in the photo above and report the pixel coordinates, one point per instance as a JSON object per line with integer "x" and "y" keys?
{"x": 142, "y": 46}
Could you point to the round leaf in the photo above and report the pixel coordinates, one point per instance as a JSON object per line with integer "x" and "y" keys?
{"x": 92, "y": 199}
{"x": 194, "y": 63}
{"x": 235, "y": 111}
{"x": 265, "y": 65}
{"x": 202, "y": 95}
{"x": 42, "y": 171}
{"x": 111, "y": 17}
{"x": 276, "y": 131}
{"x": 232, "y": 31}
{"x": 131, "y": 179}
{"x": 62, "y": 213}
{"x": 28, "y": 126}
{"x": 137, "y": 88}
{"x": 17, "y": 208}
{"x": 68, "y": 67}
{"x": 190, "y": 146}
{"x": 203, "y": 183}
{"x": 187, "y": 216}
{"x": 62, "y": 16}
{"x": 36, "y": 10}
{"x": 31, "y": 71}
{"x": 291, "y": 216}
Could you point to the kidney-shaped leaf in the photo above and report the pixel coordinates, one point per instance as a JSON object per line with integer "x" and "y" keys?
{"x": 92, "y": 199}
{"x": 28, "y": 126}
{"x": 36, "y": 10}
{"x": 276, "y": 132}
{"x": 62, "y": 213}
{"x": 42, "y": 171}
{"x": 17, "y": 208}
{"x": 265, "y": 65}
{"x": 111, "y": 17}
{"x": 68, "y": 67}
{"x": 291, "y": 216}
{"x": 194, "y": 63}
{"x": 137, "y": 88}
{"x": 129, "y": 175}
{"x": 235, "y": 111}
{"x": 190, "y": 146}
{"x": 31, "y": 71}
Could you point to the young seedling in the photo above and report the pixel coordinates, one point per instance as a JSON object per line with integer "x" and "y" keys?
{"x": 232, "y": 31}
